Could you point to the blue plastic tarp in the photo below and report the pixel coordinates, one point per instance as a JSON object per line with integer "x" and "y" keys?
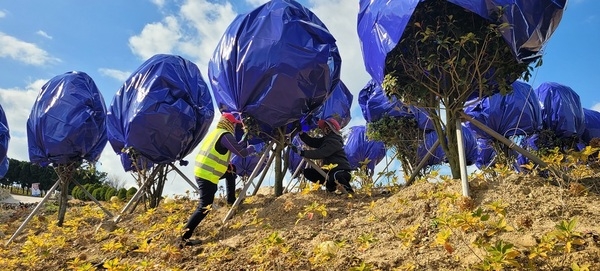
{"x": 245, "y": 165}
{"x": 485, "y": 153}
{"x": 592, "y": 125}
{"x": 562, "y": 112}
{"x": 381, "y": 24}
{"x": 375, "y": 105}
{"x": 438, "y": 156}
{"x": 337, "y": 106}
{"x": 67, "y": 123}
{"x": 4, "y": 140}
{"x": 275, "y": 64}
{"x": 515, "y": 114}
{"x": 360, "y": 149}
{"x": 162, "y": 111}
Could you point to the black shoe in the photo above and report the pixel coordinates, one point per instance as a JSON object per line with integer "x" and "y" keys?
{"x": 189, "y": 243}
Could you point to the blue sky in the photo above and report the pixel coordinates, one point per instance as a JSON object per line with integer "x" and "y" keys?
{"x": 109, "y": 39}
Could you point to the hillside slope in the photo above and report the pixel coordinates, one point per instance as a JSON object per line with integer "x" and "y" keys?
{"x": 426, "y": 226}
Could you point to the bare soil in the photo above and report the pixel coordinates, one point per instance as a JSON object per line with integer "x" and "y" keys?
{"x": 386, "y": 229}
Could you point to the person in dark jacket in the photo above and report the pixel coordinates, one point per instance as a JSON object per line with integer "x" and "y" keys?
{"x": 212, "y": 162}
{"x": 330, "y": 149}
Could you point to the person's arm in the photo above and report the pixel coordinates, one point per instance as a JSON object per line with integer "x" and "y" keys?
{"x": 328, "y": 148}
{"x": 311, "y": 141}
{"x": 228, "y": 141}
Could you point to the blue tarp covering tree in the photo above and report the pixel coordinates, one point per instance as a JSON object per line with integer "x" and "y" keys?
{"x": 592, "y": 125}
{"x": 363, "y": 154}
{"x": 337, "y": 106}
{"x": 159, "y": 115}
{"x": 427, "y": 53}
{"x": 401, "y": 127}
{"x": 516, "y": 115}
{"x": 67, "y": 126}
{"x": 4, "y": 140}
{"x": 275, "y": 65}
{"x": 563, "y": 117}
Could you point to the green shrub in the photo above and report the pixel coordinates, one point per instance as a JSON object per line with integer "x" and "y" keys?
{"x": 131, "y": 192}
{"x": 110, "y": 192}
{"x": 122, "y": 194}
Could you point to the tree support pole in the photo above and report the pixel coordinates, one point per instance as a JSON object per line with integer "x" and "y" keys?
{"x": 242, "y": 194}
{"x": 35, "y": 210}
{"x": 513, "y": 146}
{"x": 192, "y": 184}
{"x": 462, "y": 160}
{"x": 87, "y": 193}
{"x": 295, "y": 174}
{"x": 136, "y": 196}
{"x": 263, "y": 175}
{"x": 422, "y": 164}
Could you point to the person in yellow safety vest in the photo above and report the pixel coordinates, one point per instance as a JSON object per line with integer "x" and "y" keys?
{"x": 211, "y": 164}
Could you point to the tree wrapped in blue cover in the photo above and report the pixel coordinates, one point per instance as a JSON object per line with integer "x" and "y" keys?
{"x": 275, "y": 64}
{"x": 515, "y": 114}
{"x": 67, "y": 123}
{"x": 562, "y": 115}
{"x": 375, "y": 105}
{"x": 381, "y": 24}
{"x": 293, "y": 158}
{"x": 363, "y": 152}
{"x": 4, "y": 140}
{"x": 162, "y": 111}
{"x": 592, "y": 125}
{"x": 337, "y": 106}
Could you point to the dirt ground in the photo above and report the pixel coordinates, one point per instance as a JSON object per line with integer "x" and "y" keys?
{"x": 399, "y": 228}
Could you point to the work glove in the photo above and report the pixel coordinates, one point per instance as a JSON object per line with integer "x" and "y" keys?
{"x": 296, "y": 150}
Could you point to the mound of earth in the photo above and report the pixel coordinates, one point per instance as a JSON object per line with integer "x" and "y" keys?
{"x": 426, "y": 226}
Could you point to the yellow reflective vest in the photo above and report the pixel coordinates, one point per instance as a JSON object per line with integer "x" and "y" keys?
{"x": 210, "y": 164}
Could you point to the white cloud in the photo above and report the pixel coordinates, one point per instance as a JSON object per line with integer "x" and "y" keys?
{"x": 596, "y": 107}
{"x": 334, "y": 15}
{"x": 256, "y": 3}
{"x": 43, "y": 34}
{"x": 156, "y": 38}
{"x": 2, "y": 14}
{"x": 121, "y": 76}
{"x": 159, "y": 3}
{"x": 22, "y": 51}
{"x": 209, "y": 22}
{"x": 17, "y": 104}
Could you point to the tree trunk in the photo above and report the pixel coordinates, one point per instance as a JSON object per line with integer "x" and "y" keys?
{"x": 451, "y": 149}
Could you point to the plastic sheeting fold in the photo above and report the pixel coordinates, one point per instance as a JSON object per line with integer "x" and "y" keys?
{"x": 162, "y": 111}
{"x": 562, "y": 112}
{"x": 515, "y": 114}
{"x": 360, "y": 149}
{"x": 67, "y": 123}
{"x": 375, "y": 105}
{"x": 275, "y": 64}
{"x": 245, "y": 165}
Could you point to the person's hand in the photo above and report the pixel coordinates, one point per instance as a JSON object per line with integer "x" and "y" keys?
{"x": 297, "y": 150}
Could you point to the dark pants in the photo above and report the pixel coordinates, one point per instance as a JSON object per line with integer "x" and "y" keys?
{"x": 208, "y": 190}
{"x": 340, "y": 175}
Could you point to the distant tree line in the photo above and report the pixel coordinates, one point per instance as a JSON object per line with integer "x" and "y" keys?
{"x": 23, "y": 174}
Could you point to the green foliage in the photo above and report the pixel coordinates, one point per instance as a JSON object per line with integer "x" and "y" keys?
{"x": 402, "y": 135}
{"x": 110, "y": 192}
{"x": 130, "y": 192}
{"x": 75, "y": 192}
{"x": 98, "y": 193}
{"x": 122, "y": 194}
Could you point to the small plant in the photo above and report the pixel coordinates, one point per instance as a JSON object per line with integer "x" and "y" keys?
{"x": 500, "y": 256}
{"x": 566, "y": 235}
